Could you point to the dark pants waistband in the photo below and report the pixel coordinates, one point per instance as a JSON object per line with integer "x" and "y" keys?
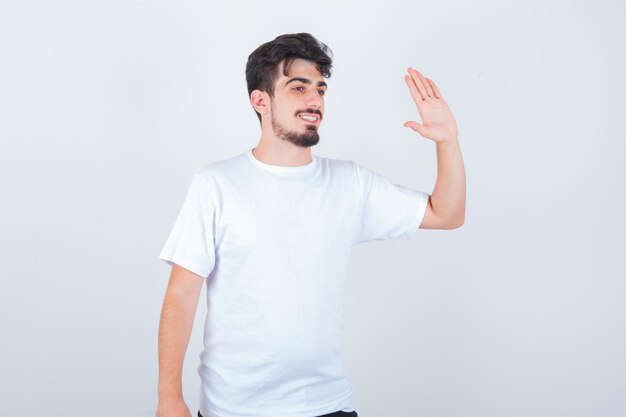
{"x": 335, "y": 414}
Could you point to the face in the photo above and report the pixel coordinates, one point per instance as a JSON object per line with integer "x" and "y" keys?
{"x": 298, "y": 97}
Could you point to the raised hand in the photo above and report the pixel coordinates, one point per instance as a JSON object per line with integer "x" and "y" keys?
{"x": 438, "y": 123}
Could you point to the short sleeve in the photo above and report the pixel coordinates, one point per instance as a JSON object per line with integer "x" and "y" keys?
{"x": 387, "y": 210}
{"x": 191, "y": 241}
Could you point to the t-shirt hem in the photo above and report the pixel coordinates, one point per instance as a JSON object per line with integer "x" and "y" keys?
{"x": 344, "y": 402}
{"x": 419, "y": 216}
{"x": 185, "y": 262}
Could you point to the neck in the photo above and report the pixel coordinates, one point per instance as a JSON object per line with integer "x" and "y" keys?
{"x": 281, "y": 153}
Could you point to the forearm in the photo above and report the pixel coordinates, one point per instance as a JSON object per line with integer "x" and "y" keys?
{"x": 174, "y": 332}
{"x": 448, "y": 197}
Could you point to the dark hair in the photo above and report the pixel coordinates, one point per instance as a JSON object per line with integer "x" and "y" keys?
{"x": 262, "y": 67}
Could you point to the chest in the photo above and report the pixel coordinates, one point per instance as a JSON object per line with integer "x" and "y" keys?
{"x": 287, "y": 212}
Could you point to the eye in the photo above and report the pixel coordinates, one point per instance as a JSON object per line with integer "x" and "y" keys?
{"x": 321, "y": 92}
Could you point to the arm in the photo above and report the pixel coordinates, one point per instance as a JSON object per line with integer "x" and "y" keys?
{"x": 446, "y": 206}
{"x": 179, "y": 309}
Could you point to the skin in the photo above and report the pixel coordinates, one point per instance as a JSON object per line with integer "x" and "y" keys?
{"x": 177, "y": 316}
{"x": 286, "y": 140}
{"x": 446, "y": 206}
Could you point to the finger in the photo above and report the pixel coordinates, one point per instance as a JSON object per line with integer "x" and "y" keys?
{"x": 434, "y": 87}
{"x": 429, "y": 90}
{"x": 414, "y": 126}
{"x": 417, "y": 98}
{"x": 418, "y": 82}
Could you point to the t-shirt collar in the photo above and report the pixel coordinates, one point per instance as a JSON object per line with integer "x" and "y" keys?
{"x": 278, "y": 168}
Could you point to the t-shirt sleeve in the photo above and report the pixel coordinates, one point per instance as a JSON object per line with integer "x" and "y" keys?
{"x": 387, "y": 210}
{"x": 191, "y": 241}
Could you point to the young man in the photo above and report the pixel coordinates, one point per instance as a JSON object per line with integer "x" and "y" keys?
{"x": 269, "y": 232}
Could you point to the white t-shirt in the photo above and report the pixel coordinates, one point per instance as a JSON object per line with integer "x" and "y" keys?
{"x": 274, "y": 243}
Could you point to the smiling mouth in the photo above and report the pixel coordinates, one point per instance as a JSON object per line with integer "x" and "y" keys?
{"x": 313, "y": 120}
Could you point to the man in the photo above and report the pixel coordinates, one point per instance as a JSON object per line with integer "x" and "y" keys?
{"x": 270, "y": 231}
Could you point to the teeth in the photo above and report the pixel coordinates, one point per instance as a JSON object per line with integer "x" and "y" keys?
{"x": 310, "y": 118}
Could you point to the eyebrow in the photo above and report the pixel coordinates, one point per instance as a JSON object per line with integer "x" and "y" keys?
{"x": 307, "y": 81}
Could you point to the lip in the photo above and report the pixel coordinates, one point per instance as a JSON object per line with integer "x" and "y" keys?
{"x": 317, "y": 116}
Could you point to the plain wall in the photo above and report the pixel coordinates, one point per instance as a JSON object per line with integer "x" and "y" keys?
{"x": 107, "y": 108}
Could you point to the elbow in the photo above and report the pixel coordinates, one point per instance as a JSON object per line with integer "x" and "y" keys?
{"x": 457, "y": 223}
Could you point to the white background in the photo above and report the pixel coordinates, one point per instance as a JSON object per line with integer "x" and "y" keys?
{"x": 107, "y": 108}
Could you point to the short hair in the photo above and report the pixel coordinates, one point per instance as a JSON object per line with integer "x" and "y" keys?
{"x": 262, "y": 66}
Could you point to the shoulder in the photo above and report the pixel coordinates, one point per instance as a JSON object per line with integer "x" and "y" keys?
{"x": 336, "y": 165}
{"x": 217, "y": 170}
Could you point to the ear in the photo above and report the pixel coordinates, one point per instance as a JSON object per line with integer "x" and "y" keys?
{"x": 260, "y": 100}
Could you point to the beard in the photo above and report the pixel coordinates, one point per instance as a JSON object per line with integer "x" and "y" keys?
{"x": 304, "y": 139}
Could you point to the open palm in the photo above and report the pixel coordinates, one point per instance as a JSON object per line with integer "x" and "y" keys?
{"x": 438, "y": 123}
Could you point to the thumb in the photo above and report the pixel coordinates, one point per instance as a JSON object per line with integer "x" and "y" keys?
{"x": 415, "y": 126}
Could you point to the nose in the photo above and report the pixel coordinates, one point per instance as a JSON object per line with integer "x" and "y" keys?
{"x": 315, "y": 100}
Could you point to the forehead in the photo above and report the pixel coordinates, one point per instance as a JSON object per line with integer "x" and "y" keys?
{"x": 300, "y": 67}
